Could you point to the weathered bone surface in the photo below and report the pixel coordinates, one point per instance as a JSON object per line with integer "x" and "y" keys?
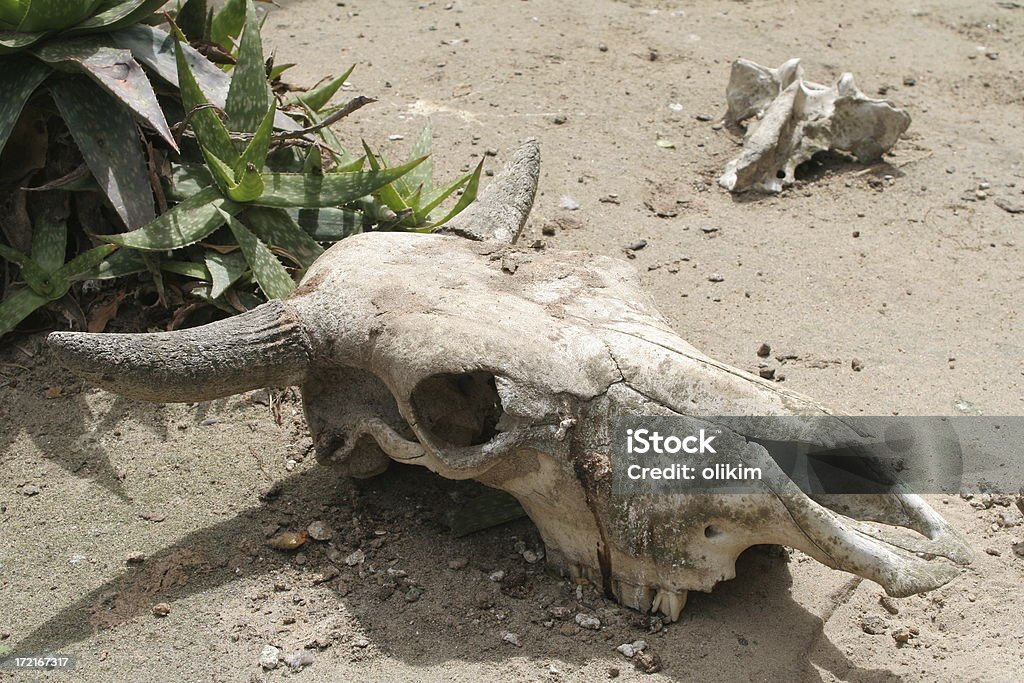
{"x": 795, "y": 119}
{"x": 479, "y": 359}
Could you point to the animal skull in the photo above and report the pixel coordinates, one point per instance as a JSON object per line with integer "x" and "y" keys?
{"x": 796, "y": 119}
{"x": 476, "y": 358}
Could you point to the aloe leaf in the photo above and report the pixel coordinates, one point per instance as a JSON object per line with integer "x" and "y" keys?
{"x": 121, "y": 14}
{"x": 467, "y": 198}
{"x": 227, "y": 23}
{"x": 423, "y": 175}
{"x": 42, "y": 15}
{"x": 191, "y": 19}
{"x": 17, "y": 307}
{"x": 256, "y": 151}
{"x": 122, "y": 262}
{"x": 285, "y": 190}
{"x": 277, "y": 229}
{"x": 387, "y": 193}
{"x": 109, "y": 140}
{"x": 15, "y": 41}
{"x": 196, "y": 271}
{"x": 13, "y": 255}
{"x": 271, "y": 276}
{"x": 78, "y": 267}
{"x": 317, "y": 98}
{"x": 225, "y": 270}
{"x": 440, "y": 194}
{"x": 116, "y": 71}
{"x": 329, "y": 224}
{"x": 155, "y": 49}
{"x": 314, "y": 162}
{"x": 350, "y": 167}
{"x": 19, "y": 78}
{"x": 249, "y": 95}
{"x": 209, "y": 129}
{"x": 279, "y": 69}
{"x": 185, "y": 224}
{"x": 249, "y": 186}
{"x": 187, "y": 180}
{"x": 50, "y": 233}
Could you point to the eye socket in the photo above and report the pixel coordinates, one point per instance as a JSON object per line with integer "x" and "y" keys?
{"x": 459, "y": 409}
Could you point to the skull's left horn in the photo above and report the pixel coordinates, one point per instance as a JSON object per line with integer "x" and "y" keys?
{"x": 262, "y": 347}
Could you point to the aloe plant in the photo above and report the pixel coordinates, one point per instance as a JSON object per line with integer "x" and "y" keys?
{"x": 255, "y": 188}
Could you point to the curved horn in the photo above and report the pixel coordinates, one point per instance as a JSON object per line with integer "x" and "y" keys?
{"x": 262, "y": 347}
{"x": 501, "y": 210}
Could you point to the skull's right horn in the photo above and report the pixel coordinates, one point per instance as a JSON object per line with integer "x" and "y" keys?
{"x": 262, "y": 347}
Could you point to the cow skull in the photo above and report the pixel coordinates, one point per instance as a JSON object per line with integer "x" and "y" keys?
{"x": 476, "y": 358}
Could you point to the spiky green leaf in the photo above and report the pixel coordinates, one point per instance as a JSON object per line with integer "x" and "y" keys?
{"x": 17, "y": 307}
{"x": 317, "y": 98}
{"x": 187, "y": 180}
{"x": 277, "y": 229}
{"x": 19, "y": 78}
{"x": 192, "y": 19}
{"x": 467, "y": 198}
{"x": 155, "y": 49}
{"x": 329, "y": 224}
{"x": 78, "y": 267}
{"x": 209, "y": 129}
{"x": 227, "y": 23}
{"x": 55, "y": 15}
{"x": 387, "y": 193}
{"x": 225, "y": 270}
{"x": 122, "y": 262}
{"x": 50, "y": 232}
{"x": 196, "y": 271}
{"x": 286, "y": 190}
{"x": 271, "y": 276}
{"x": 255, "y": 153}
{"x": 15, "y": 41}
{"x": 433, "y": 200}
{"x": 119, "y": 15}
{"x": 249, "y": 96}
{"x": 111, "y": 145}
{"x": 185, "y": 224}
{"x": 314, "y": 162}
{"x": 115, "y": 70}
{"x": 423, "y": 175}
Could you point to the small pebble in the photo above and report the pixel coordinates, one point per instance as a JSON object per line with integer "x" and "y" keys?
{"x": 766, "y": 373}
{"x": 716, "y": 277}
{"x": 764, "y": 350}
{"x": 161, "y": 609}
{"x": 357, "y": 557}
{"x": 497, "y": 576}
{"x": 511, "y": 639}
{"x": 319, "y": 531}
{"x": 636, "y": 246}
{"x": 560, "y": 119}
{"x": 568, "y": 203}
{"x": 30, "y": 490}
{"x": 602, "y": 47}
{"x": 458, "y": 563}
{"x": 298, "y": 660}
{"x": 857, "y": 364}
{"x": 588, "y": 621}
{"x": 873, "y": 625}
{"x": 361, "y": 643}
{"x": 270, "y": 656}
{"x": 396, "y": 137}
{"x": 902, "y": 635}
{"x": 703, "y": 117}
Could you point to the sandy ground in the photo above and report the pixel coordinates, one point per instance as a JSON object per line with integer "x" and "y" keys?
{"x": 915, "y": 276}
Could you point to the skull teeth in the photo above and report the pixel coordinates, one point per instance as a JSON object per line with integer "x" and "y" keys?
{"x": 669, "y": 603}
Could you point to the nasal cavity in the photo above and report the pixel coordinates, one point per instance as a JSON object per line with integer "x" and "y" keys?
{"x": 458, "y": 409}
